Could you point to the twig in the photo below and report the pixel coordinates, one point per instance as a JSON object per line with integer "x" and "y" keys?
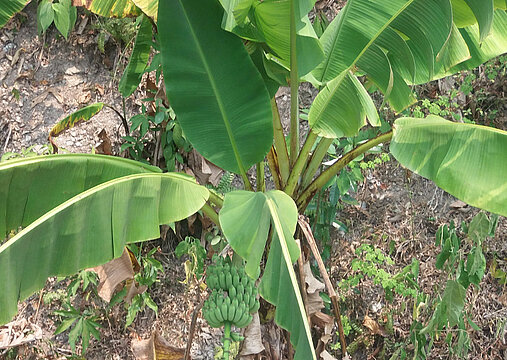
{"x": 38, "y": 307}
{"x": 305, "y": 227}
{"x": 192, "y": 328}
{"x": 123, "y": 120}
{"x": 8, "y": 138}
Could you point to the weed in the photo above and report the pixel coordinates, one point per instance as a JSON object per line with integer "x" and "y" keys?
{"x": 150, "y": 268}
{"x": 82, "y": 324}
{"x": 194, "y": 266}
{"x": 370, "y": 263}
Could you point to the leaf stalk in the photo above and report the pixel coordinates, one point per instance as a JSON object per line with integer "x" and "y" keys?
{"x": 305, "y": 197}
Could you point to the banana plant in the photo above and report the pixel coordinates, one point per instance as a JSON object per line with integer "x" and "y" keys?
{"x": 222, "y": 63}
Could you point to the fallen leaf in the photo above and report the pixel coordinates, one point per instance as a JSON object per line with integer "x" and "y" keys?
{"x": 105, "y": 147}
{"x": 458, "y": 204}
{"x": 133, "y": 289}
{"x": 56, "y": 94}
{"x": 326, "y": 356}
{"x": 100, "y": 89}
{"x": 253, "y": 338}
{"x": 85, "y": 97}
{"x": 18, "y": 332}
{"x": 374, "y": 326}
{"x": 15, "y": 58}
{"x": 38, "y": 99}
{"x": 156, "y": 348}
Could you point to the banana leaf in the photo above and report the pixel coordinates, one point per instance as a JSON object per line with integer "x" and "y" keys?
{"x": 83, "y": 114}
{"x": 480, "y": 52}
{"x": 109, "y": 8}
{"x": 138, "y": 59}
{"x": 9, "y": 8}
{"x": 341, "y": 108}
{"x": 214, "y": 88}
{"x": 31, "y": 187}
{"x": 245, "y": 219}
{"x": 466, "y": 160}
{"x": 148, "y": 7}
{"x": 91, "y": 229}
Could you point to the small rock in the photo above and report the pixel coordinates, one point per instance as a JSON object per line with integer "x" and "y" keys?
{"x": 72, "y": 71}
{"x": 10, "y": 46}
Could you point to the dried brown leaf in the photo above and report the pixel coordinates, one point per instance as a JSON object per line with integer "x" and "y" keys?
{"x": 204, "y": 171}
{"x": 112, "y": 274}
{"x": 326, "y": 356}
{"x": 253, "y": 338}
{"x": 156, "y": 348}
{"x": 18, "y": 332}
{"x": 314, "y": 285}
{"x": 374, "y": 326}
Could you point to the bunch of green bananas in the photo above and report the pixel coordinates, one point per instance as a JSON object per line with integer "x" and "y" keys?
{"x": 233, "y": 295}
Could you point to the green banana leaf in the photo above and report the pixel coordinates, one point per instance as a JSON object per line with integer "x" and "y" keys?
{"x": 468, "y": 12}
{"x": 9, "y": 8}
{"x": 91, "y": 229}
{"x": 109, "y": 8}
{"x": 272, "y": 20}
{"x": 341, "y": 108}
{"x": 236, "y": 20}
{"x": 148, "y": 7}
{"x": 480, "y": 52}
{"x": 31, "y": 187}
{"x": 268, "y": 22}
{"x": 402, "y": 42}
{"x": 83, "y": 114}
{"x": 138, "y": 59}
{"x": 501, "y": 4}
{"x": 468, "y": 161}
{"x": 214, "y": 88}
{"x": 245, "y": 219}
{"x": 426, "y": 26}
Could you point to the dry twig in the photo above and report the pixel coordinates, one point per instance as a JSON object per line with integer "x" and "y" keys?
{"x": 307, "y": 231}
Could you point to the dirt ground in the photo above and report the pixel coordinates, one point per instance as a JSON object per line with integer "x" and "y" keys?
{"x": 41, "y": 82}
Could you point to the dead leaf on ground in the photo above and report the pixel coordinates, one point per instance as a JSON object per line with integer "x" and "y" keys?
{"x": 156, "y": 348}
{"x": 133, "y": 289}
{"x": 458, "y": 204}
{"x": 112, "y": 274}
{"x": 374, "y": 326}
{"x": 105, "y": 147}
{"x": 326, "y": 356}
{"x": 85, "y": 97}
{"x": 253, "y": 338}
{"x": 18, "y": 332}
{"x": 40, "y": 98}
{"x": 99, "y": 89}
{"x": 15, "y": 58}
